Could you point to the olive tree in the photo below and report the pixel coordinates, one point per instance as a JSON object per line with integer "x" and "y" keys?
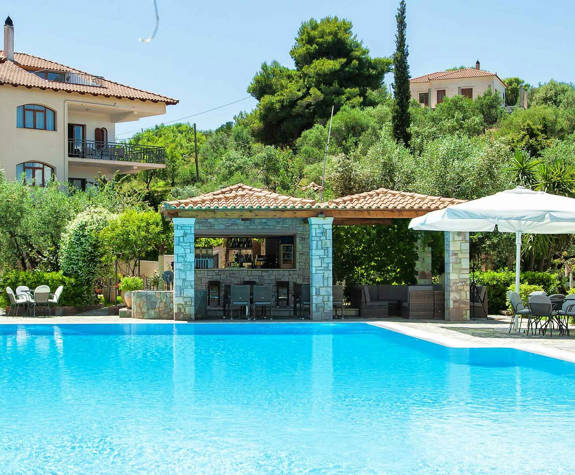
{"x": 131, "y": 235}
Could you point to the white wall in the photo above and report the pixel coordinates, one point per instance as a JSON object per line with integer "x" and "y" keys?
{"x": 29, "y": 145}
{"x": 453, "y": 87}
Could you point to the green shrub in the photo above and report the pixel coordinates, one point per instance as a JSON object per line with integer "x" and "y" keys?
{"x": 81, "y": 253}
{"x": 128, "y": 284}
{"x": 549, "y": 281}
{"x": 72, "y": 294}
{"x": 498, "y": 283}
{"x": 524, "y": 291}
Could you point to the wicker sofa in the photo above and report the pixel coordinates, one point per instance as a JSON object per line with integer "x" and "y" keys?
{"x": 408, "y": 301}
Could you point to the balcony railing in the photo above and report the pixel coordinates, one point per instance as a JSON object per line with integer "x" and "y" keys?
{"x": 122, "y": 152}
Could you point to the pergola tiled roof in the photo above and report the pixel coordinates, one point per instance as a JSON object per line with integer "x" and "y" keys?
{"x": 385, "y": 199}
{"x": 240, "y": 197}
{"x": 244, "y": 201}
{"x": 20, "y": 72}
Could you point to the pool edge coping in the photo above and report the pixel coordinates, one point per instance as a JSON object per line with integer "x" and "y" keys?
{"x": 454, "y": 340}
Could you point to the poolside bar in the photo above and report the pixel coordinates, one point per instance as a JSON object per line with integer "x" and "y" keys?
{"x": 245, "y": 239}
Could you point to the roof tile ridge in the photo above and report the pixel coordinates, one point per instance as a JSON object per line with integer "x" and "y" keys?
{"x": 102, "y": 78}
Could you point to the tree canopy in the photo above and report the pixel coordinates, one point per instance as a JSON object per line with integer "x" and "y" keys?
{"x": 332, "y": 68}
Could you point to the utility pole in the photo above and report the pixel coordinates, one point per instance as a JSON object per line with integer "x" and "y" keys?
{"x": 325, "y": 155}
{"x": 196, "y": 153}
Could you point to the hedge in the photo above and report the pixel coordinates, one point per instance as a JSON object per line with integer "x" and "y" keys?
{"x": 497, "y": 284}
{"x": 71, "y": 295}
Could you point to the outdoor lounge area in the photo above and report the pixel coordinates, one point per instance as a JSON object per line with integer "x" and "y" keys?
{"x": 544, "y": 313}
{"x": 244, "y": 252}
{"x": 27, "y": 302}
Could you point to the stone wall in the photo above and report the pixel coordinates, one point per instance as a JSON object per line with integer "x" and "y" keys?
{"x": 456, "y": 276}
{"x": 153, "y": 304}
{"x": 184, "y": 267}
{"x": 257, "y": 227}
{"x": 321, "y": 263}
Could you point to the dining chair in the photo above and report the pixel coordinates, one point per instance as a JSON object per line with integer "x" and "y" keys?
{"x": 541, "y": 307}
{"x": 55, "y": 298}
{"x": 16, "y": 301}
{"x": 566, "y": 312}
{"x": 263, "y": 298}
{"x": 22, "y": 289}
{"x": 519, "y": 310}
{"x": 304, "y": 300}
{"x": 41, "y": 297}
{"x": 338, "y": 300}
{"x": 240, "y": 297}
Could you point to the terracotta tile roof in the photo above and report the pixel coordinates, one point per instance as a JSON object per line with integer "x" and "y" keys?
{"x": 246, "y": 197}
{"x": 241, "y": 196}
{"x": 384, "y": 199}
{"x": 455, "y": 74}
{"x": 20, "y": 73}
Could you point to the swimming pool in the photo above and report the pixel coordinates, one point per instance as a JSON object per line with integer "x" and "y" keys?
{"x": 290, "y": 397}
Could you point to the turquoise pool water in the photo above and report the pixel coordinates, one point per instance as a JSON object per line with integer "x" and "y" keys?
{"x": 275, "y": 398}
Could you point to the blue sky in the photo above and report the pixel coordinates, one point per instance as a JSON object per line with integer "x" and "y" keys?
{"x": 206, "y": 53}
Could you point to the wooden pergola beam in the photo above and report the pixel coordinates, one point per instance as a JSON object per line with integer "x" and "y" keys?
{"x": 341, "y": 217}
{"x": 360, "y": 221}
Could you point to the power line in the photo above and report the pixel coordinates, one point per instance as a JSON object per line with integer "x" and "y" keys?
{"x": 196, "y": 114}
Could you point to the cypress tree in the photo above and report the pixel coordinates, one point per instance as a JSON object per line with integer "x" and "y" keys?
{"x": 400, "y": 114}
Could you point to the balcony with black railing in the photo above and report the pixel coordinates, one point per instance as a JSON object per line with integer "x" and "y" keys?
{"x": 122, "y": 152}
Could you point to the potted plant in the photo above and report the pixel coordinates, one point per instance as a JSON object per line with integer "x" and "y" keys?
{"x": 127, "y": 286}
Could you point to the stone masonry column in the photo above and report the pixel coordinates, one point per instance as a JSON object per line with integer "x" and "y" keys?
{"x": 456, "y": 276}
{"x": 320, "y": 258}
{"x": 423, "y": 269}
{"x": 184, "y": 268}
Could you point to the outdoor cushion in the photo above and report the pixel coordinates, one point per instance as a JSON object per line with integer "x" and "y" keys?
{"x": 392, "y": 292}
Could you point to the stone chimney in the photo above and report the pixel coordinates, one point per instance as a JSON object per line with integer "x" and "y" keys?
{"x": 9, "y": 39}
{"x": 477, "y": 65}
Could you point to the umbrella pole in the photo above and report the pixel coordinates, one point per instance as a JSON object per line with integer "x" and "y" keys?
{"x": 517, "y": 260}
{"x": 517, "y": 270}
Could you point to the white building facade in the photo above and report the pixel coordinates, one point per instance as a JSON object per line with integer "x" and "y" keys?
{"x": 430, "y": 90}
{"x": 57, "y": 122}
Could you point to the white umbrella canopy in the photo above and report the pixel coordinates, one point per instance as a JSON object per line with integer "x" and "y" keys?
{"x": 514, "y": 211}
{"x": 518, "y": 210}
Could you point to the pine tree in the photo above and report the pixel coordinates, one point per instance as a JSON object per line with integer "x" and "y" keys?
{"x": 400, "y": 114}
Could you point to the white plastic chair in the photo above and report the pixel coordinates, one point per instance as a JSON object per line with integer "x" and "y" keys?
{"x": 53, "y": 300}
{"x": 41, "y": 296}
{"x": 16, "y": 301}
{"x": 22, "y": 290}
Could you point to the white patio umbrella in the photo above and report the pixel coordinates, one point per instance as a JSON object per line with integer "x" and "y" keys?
{"x": 512, "y": 211}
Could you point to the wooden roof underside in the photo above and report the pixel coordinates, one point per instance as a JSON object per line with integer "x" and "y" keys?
{"x": 341, "y": 217}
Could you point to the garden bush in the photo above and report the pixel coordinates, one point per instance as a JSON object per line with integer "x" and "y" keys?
{"x": 129, "y": 284}
{"x": 498, "y": 282}
{"x": 72, "y": 294}
{"x": 81, "y": 253}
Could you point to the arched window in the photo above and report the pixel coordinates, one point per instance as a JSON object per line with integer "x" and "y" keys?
{"x": 35, "y": 173}
{"x": 34, "y": 116}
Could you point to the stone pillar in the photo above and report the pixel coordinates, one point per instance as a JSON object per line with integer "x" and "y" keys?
{"x": 456, "y": 276}
{"x": 184, "y": 268}
{"x": 423, "y": 271}
{"x": 320, "y": 258}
